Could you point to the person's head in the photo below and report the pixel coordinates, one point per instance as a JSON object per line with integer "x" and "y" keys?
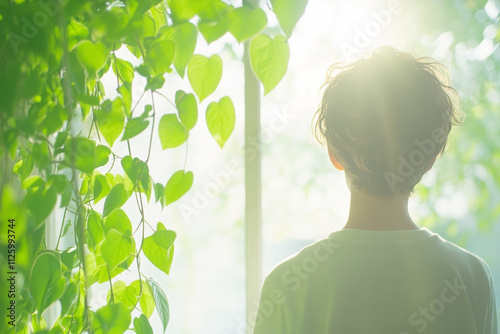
{"x": 385, "y": 119}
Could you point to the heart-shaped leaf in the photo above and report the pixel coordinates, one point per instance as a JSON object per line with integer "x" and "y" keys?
{"x": 288, "y": 13}
{"x": 116, "y": 248}
{"x": 110, "y": 119}
{"x": 40, "y": 200}
{"x": 187, "y": 108}
{"x": 172, "y": 133}
{"x": 95, "y": 228}
{"x": 160, "y": 56}
{"x": 124, "y": 70}
{"x": 134, "y": 127}
{"x": 47, "y": 282}
{"x": 115, "y": 199}
{"x": 92, "y": 56}
{"x": 269, "y": 58}
{"x": 111, "y": 319}
{"x": 142, "y": 326}
{"x": 118, "y": 220}
{"x": 212, "y": 31}
{"x": 204, "y": 74}
{"x": 101, "y": 187}
{"x": 221, "y": 119}
{"x": 137, "y": 170}
{"x": 245, "y": 22}
{"x": 129, "y": 295}
{"x": 178, "y": 184}
{"x": 159, "y": 248}
{"x": 82, "y": 153}
{"x": 184, "y": 36}
{"x": 126, "y": 295}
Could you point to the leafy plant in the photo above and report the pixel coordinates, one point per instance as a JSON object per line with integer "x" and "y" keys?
{"x": 53, "y": 56}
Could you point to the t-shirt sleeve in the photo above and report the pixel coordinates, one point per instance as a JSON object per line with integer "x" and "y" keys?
{"x": 273, "y": 315}
{"x": 491, "y": 321}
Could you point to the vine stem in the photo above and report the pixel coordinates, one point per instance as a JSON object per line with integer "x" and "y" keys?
{"x": 62, "y": 226}
{"x": 110, "y": 286}
{"x": 69, "y": 101}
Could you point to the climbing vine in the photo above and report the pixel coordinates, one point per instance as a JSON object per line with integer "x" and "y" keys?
{"x": 59, "y": 128}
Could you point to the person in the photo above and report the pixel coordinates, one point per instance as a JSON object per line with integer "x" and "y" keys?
{"x": 384, "y": 120}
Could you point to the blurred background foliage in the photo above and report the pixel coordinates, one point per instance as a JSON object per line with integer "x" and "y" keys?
{"x": 460, "y": 197}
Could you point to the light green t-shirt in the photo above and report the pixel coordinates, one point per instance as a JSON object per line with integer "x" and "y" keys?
{"x": 379, "y": 282}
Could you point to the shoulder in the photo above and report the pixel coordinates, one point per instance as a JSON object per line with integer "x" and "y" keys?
{"x": 309, "y": 256}
{"x": 465, "y": 257}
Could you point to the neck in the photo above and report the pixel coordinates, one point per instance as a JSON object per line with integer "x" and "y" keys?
{"x": 377, "y": 213}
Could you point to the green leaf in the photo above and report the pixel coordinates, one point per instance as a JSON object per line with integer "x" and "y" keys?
{"x": 92, "y": 56}
{"x": 136, "y": 170}
{"x": 204, "y": 74}
{"x": 41, "y": 155}
{"x": 155, "y": 83}
{"x": 95, "y": 228}
{"x": 212, "y": 31}
{"x": 288, "y": 13}
{"x": 101, "y": 188}
{"x": 87, "y": 99}
{"x": 40, "y": 200}
{"x": 147, "y": 301}
{"x": 110, "y": 119}
{"x": 178, "y": 184}
{"x": 126, "y": 295}
{"x": 58, "y": 182}
{"x": 118, "y": 220}
{"x": 69, "y": 297}
{"x": 101, "y": 155}
{"x": 245, "y": 22}
{"x": 172, "y": 133}
{"x": 134, "y": 127}
{"x": 82, "y": 153}
{"x": 184, "y": 36}
{"x": 187, "y": 108}
{"x": 159, "y": 192}
{"x": 221, "y": 119}
{"x": 66, "y": 195}
{"x": 101, "y": 272}
{"x": 115, "y": 199}
{"x": 124, "y": 69}
{"x": 116, "y": 248}
{"x": 126, "y": 94}
{"x": 111, "y": 319}
{"x": 181, "y": 9}
{"x": 160, "y": 56}
{"x": 47, "y": 283}
{"x": 142, "y": 326}
{"x": 24, "y": 167}
{"x": 269, "y": 58}
{"x": 76, "y": 32}
{"x": 161, "y": 303}
{"x": 159, "y": 248}
{"x": 129, "y": 296}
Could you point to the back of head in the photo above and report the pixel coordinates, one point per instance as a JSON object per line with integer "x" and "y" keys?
{"x": 386, "y": 118}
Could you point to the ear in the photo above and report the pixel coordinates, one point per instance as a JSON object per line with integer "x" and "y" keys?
{"x": 334, "y": 161}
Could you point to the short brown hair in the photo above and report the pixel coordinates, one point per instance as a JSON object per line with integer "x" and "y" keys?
{"x": 386, "y": 118}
